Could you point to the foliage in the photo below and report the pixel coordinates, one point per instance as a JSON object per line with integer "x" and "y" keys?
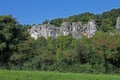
{"x": 106, "y": 21}
{"x": 99, "y": 54}
{"x": 10, "y": 36}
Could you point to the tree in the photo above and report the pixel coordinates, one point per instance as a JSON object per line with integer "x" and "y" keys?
{"x": 46, "y": 21}
{"x": 105, "y": 45}
{"x": 25, "y": 52}
{"x": 10, "y": 36}
{"x": 57, "y": 22}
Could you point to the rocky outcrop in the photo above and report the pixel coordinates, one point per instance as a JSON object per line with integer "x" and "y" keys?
{"x": 118, "y": 23}
{"x": 48, "y": 31}
{"x": 91, "y": 28}
{"x": 76, "y": 26}
{"x": 76, "y": 29}
{"x": 65, "y": 28}
{"x": 34, "y": 32}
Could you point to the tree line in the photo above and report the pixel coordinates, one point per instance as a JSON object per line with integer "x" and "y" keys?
{"x": 106, "y": 21}
{"x": 99, "y": 54}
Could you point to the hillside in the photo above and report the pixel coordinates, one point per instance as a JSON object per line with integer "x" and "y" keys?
{"x": 106, "y": 21}
{"x": 97, "y": 53}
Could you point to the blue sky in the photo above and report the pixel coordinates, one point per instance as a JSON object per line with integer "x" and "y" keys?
{"x": 36, "y": 11}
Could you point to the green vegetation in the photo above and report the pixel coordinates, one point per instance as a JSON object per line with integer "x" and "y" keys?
{"x": 106, "y": 21}
{"x": 36, "y": 75}
{"x": 99, "y": 54}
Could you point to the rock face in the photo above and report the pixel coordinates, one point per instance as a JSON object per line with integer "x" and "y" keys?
{"x": 48, "y": 31}
{"x": 76, "y": 26}
{"x": 118, "y": 23}
{"x": 91, "y": 28}
{"x": 34, "y": 32}
{"x": 76, "y": 29}
{"x": 65, "y": 28}
{"x": 44, "y": 31}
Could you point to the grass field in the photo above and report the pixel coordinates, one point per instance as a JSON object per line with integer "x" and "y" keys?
{"x": 36, "y": 75}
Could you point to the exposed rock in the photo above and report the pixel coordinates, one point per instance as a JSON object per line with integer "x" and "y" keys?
{"x": 118, "y": 23}
{"x": 34, "y": 32}
{"x": 76, "y": 26}
{"x": 91, "y": 28}
{"x": 65, "y": 28}
{"x": 43, "y": 30}
{"x": 76, "y": 30}
{"x": 52, "y": 31}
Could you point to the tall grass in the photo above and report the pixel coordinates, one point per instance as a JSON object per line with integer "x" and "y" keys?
{"x": 36, "y": 75}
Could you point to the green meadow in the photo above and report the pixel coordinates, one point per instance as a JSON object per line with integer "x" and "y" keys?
{"x": 38, "y": 75}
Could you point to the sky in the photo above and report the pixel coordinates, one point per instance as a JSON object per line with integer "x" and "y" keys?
{"x": 36, "y": 11}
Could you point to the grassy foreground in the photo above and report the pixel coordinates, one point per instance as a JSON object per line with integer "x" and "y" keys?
{"x": 36, "y": 75}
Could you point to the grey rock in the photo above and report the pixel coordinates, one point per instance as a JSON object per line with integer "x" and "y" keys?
{"x": 65, "y": 28}
{"x": 118, "y": 23}
{"x": 76, "y": 26}
{"x": 91, "y": 28}
{"x": 43, "y": 30}
{"x": 48, "y": 31}
{"x": 34, "y": 32}
{"x": 76, "y": 30}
